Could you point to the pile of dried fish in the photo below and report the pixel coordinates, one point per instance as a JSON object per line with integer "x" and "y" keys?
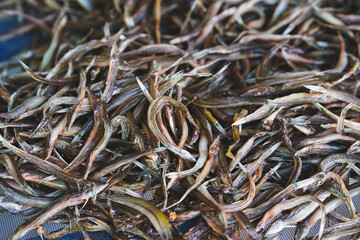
{"x": 137, "y": 116}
